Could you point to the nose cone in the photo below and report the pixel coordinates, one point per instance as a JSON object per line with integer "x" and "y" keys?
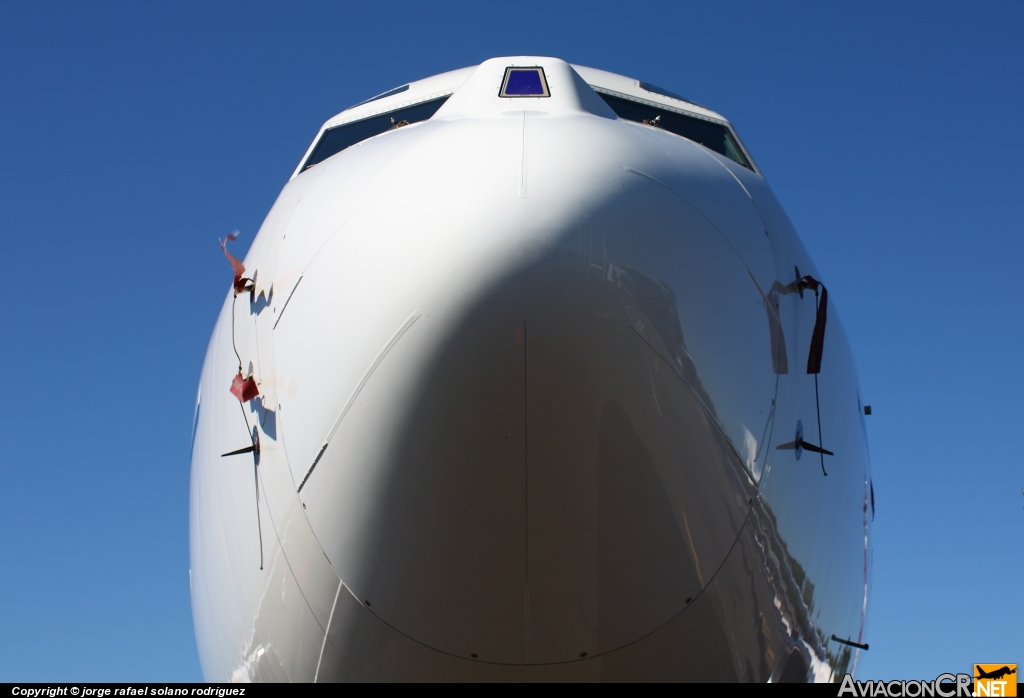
{"x": 532, "y": 369}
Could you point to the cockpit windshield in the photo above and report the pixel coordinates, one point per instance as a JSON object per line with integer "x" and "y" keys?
{"x": 336, "y": 139}
{"x": 709, "y": 134}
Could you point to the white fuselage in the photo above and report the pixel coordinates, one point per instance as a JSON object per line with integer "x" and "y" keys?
{"x": 523, "y": 372}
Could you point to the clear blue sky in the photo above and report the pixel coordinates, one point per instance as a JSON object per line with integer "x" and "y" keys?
{"x": 132, "y": 136}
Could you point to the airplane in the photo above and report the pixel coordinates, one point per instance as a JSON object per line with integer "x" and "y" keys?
{"x": 513, "y": 384}
{"x": 995, "y": 673}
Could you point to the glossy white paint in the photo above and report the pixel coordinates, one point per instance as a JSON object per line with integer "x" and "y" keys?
{"x": 522, "y": 372}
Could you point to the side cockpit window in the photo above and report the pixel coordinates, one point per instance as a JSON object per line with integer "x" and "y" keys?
{"x": 336, "y": 139}
{"x": 717, "y": 137}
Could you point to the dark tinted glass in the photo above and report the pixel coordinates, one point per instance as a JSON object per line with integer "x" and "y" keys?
{"x": 340, "y": 137}
{"x": 524, "y": 83}
{"x": 710, "y": 135}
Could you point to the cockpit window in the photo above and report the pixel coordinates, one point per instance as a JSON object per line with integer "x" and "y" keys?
{"x": 717, "y": 137}
{"x": 336, "y": 139}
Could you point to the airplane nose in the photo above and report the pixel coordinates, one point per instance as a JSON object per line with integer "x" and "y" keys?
{"x": 557, "y": 483}
{"x": 575, "y": 378}
{"x": 555, "y": 489}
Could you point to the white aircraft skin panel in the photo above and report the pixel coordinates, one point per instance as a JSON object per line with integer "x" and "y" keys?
{"x": 559, "y": 350}
{"x": 224, "y": 516}
{"x": 281, "y": 627}
{"x": 353, "y": 428}
{"x": 833, "y": 501}
{"x": 716, "y": 194}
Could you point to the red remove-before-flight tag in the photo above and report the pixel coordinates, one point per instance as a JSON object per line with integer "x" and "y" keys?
{"x": 818, "y": 334}
{"x": 239, "y": 283}
{"x": 244, "y": 388}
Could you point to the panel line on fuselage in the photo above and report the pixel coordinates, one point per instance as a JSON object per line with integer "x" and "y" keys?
{"x": 327, "y": 631}
{"x": 728, "y": 242}
{"x": 707, "y": 410}
{"x": 355, "y": 393}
